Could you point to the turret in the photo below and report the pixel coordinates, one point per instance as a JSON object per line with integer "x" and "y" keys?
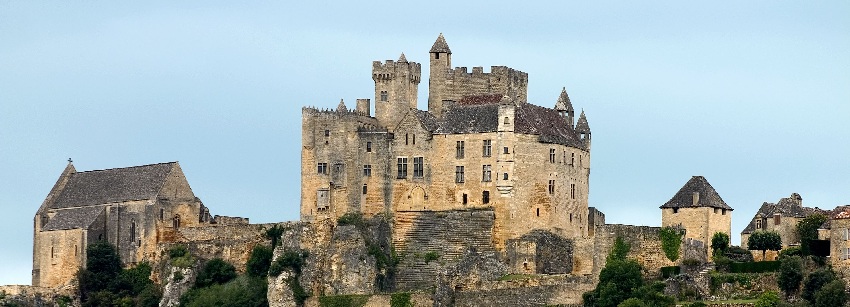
{"x": 583, "y": 130}
{"x": 441, "y": 63}
{"x": 396, "y": 89}
{"x": 565, "y": 107}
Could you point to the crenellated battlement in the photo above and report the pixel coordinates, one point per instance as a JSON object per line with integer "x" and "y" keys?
{"x": 389, "y": 70}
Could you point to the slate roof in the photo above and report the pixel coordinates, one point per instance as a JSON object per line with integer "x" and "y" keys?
{"x": 74, "y": 218}
{"x": 462, "y": 119}
{"x": 429, "y": 122}
{"x": 786, "y": 207}
{"x": 708, "y": 197}
{"x": 547, "y": 123}
{"x": 480, "y": 99}
{"x": 581, "y": 125}
{"x": 440, "y": 45}
{"x": 563, "y": 103}
{"x": 113, "y": 185}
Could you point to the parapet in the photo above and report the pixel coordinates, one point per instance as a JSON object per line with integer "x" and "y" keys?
{"x": 222, "y": 220}
{"x": 390, "y": 69}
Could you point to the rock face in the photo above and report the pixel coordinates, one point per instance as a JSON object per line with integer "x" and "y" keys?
{"x": 279, "y": 294}
{"x": 177, "y": 282}
{"x": 20, "y": 295}
{"x": 350, "y": 270}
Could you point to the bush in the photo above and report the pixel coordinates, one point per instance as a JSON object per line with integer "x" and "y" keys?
{"x": 259, "y": 262}
{"x": 691, "y": 262}
{"x": 274, "y": 234}
{"x": 216, "y": 271}
{"x": 791, "y": 251}
{"x": 180, "y": 256}
{"x": 697, "y": 304}
{"x": 177, "y": 251}
{"x": 632, "y": 302}
{"x": 790, "y": 274}
{"x": 832, "y": 294}
{"x": 754, "y": 267}
{"x": 351, "y": 218}
{"x": 815, "y": 281}
{"x": 240, "y": 292}
{"x": 768, "y": 299}
{"x": 400, "y": 299}
{"x": 431, "y": 256}
{"x": 290, "y": 259}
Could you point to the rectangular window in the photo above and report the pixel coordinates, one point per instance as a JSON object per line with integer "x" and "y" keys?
{"x": 551, "y": 155}
{"x": 367, "y": 170}
{"x": 485, "y": 197}
{"x": 465, "y": 199}
{"x": 551, "y": 186}
{"x": 459, "y": 174}
{"x": 418, "y": 167}
{"x": 327, "y": 133}
{"x": 383, "y": 95}
{"x": 485, "y": 173}
{"x": 505, "y": 150}
{"x": 573, "y": 190}
{"x": 368, "y": 146}
{"x": 776, "y": 219}
{"x": 572, "y": 158}
{"x": 487, "y": 148}
{"x": 402, "y": 168}
{"x": 323, "y": 168}
{"x": 364, "y": 189}
{"x": 459, "y": 149}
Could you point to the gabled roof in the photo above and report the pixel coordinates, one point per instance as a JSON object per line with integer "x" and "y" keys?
{"x": 440, "y": 46}
{"x": 785, "y": 207}
{"x": 428, "y": 121}
{"x": 708, "y": 197}
{"x": 113, "y": 185}
{"x": 74, "y": 218}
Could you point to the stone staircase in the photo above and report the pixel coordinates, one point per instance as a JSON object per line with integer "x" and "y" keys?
{"x": 448, "y": 234}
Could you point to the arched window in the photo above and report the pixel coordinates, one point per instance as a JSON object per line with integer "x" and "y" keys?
{"x": 176, "y": 221}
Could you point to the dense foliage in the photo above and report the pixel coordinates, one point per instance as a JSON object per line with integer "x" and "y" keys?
{"x": 274, "y": 234}
{"x": 764, "y": 241}
{"x": 831, "y": 294}
{"x": 215, "y": 272}
{"x": 719, "y": 242}
{"x": 259, "y": 262}
{"x": 790, "y": 274}
{"x": 671, "y": 241}
{"x": 807, "y": 230}
{"x": 243, "y": 291}
{"x": 621, "y": 281}
{"x": 104, "y": 283}
{"x": 815, "y": 281}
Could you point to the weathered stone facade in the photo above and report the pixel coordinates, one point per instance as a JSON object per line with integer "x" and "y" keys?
{"x": 130, "y": 208}
{"x": 699, "y": 210}
{"x": 781, "y": 217}
{"x": 480, "y": 145}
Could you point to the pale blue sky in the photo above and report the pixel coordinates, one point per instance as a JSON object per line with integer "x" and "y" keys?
{"x": 752, "y": 95}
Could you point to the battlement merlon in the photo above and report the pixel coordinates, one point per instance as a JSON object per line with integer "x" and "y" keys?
{"x": 388, "y": 70}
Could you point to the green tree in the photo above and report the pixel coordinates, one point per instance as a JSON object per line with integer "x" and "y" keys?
{"x": 768, "y": 299}
{"x": 807, "y": 230}
{"x": 259, "y": 262}
{"x": 244, "y": 291}
{"x": 102, "y": 267}
{"x": 831, "y": 294}
{"x": 216, "y": 271}
{"x": 790, "y": 274}
{"x": 815, "y": 281}
{"x": 719, "y": 242}
{"x": 274, "y": 235}
{"x": 617, "y": 280}
{"x": 671, "y": 241}
{"x": 764, "y": 241}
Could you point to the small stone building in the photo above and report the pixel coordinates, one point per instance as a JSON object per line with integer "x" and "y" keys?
{"x": 699, "y": 210}
{"x": 781, "y": 217}
{"x": 132, "y": 208}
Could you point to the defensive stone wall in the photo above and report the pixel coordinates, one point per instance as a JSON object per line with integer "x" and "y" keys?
{"x": 428, "y": 241}
{"x": 645, "y": 244}
{"x": 563, "y": 290}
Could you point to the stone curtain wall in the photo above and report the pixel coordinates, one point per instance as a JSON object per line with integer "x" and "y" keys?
{"x": 645, "y": 246}
{"x": 558, "y": 289}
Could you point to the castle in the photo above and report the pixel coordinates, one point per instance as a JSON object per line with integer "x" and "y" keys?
{"x": 479, "y": 145}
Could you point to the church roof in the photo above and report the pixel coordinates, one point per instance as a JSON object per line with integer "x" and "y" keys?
{"x": 113, "y": 185}
{"x": 708, "y": 197}
{"x": 74, "y": 218}
{"x": 440, "y": 46}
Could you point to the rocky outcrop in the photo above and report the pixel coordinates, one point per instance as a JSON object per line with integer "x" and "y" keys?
{"x": 177, "y": 282}
{"x": 20, "y": 295}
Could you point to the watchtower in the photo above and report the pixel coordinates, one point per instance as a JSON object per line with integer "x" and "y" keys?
{"x": 396, "y": 89}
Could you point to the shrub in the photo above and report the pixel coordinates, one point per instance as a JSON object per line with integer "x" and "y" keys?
{"x": 790, "y": 274}
{"x": 180, "y": 256}
{"x": 431, "y": 256}
{"x": 754, "y": 267}
{"x": 632, "y": 302}
{"x": 691, "y": 262}
{"x": 177, "y": 251}
{"x": 216, "y": 271}
{"x": 351, "y": 218}
{"x": 697, "y": 304}
{"x": 768, "y": 299}
{"x": 274, "y": 234}
{"x": 400, "y": 299}
{"x": 832, "y": 294}
{"x": 791, "y": 251}
{"x": 259, "y": 262}
{"x": 242, "y": 291}
{"x": 815, "y": 281}
{"x": 290, "y": 259}
{"x": 619, "y": 250}
{"x": 351, "y": 300}
{"x": 671, "y": 241}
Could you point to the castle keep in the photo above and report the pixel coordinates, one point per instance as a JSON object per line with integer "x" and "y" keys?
{"x": 480, "y": 146}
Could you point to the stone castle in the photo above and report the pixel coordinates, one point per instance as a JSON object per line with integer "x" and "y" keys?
{"x": 484, "y": 181}
{"x": 480, "y": 145}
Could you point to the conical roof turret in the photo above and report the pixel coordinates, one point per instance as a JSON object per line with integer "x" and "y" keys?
{"x": 402, "y": 58}
{"x": 581, "y": 125}
{"x": 341, "y": 107}
{"x": 563, "y": 103}
{"x": 440, "y": 46}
